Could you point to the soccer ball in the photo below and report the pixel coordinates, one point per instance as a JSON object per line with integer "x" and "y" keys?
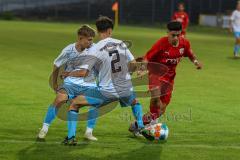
{"x": 158, "y": 131}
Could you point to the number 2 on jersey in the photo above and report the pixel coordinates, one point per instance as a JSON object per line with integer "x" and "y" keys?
{"x": 113, "y": 62}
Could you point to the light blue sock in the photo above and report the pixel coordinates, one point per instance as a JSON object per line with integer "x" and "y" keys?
{"x": 92, "y": 115}
{"x": 236, "y": 49}
{"x": 137, "y": 112}
{"x": 72, "y": 123}
{"x": 51, "y": 114}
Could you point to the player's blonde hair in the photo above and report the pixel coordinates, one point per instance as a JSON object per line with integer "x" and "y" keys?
{"x": 86, "y": 31}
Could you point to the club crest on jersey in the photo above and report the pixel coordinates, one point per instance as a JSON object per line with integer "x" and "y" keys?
{"x": 166, "y": 52}
{"x": 181, "y": 51}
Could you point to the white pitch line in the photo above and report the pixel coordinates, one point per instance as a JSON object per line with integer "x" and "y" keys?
{"x": 204, "y": 146}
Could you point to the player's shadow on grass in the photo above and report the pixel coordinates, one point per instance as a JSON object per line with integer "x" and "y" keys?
{"x": 233, "y": 58}
{"x": 40, "y": 151}
{"x": 51, "y": 151}
{"x": 149, "y": 151}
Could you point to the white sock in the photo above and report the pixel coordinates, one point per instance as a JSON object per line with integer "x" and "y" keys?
{"x": 45, "y": 127}
{"x": 89, "y": 130}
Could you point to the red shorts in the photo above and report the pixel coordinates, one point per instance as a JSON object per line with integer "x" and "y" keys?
{"x": 165, "y": 84}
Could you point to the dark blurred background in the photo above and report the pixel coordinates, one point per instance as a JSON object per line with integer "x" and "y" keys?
{"x": 130, "y": 11}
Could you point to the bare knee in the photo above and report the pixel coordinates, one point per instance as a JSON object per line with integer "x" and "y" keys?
{"x": 60, "y": 99}
{"x": 78, "y": 102}
{"x": 155, "y": 101}
{"x": 163, "y": 107}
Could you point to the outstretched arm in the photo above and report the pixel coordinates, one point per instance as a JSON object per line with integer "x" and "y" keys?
{"x": 137, "y": 66}
{"x": 76, "y": 73}
{"x": 54, "y": 77}
{"x": 141, "y": 63}
{"x": 83, "y": 69}
{"x": 189, "y": 53}
{"x": 58, "y": 62}
{"x": 195, "y": 61}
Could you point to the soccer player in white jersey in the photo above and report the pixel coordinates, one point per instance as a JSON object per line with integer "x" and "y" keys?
{"x": 71, "y": 56}
{"x": 235, "y": 28}
{"x": 110, "y": 59}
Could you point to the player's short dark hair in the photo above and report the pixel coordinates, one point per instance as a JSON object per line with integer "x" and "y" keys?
{"x": 86, "y": 31}
{"x": 103, "y": 23}
{"x": 174, "y": 26}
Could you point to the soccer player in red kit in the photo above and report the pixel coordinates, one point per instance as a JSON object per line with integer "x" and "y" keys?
{"x": 181, "y": 16}
{"x": 168, "y": 51}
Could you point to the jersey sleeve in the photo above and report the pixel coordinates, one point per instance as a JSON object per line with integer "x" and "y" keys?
{"x": 233, "y": 16}
{"x": 188, "y": 51}
{"x": 127, "y": 52}
{"x": 152, "y": 53}
{"x": 129, "y": 55}
{"x": 61, "y": 59}
{"x": 174, "y": 17}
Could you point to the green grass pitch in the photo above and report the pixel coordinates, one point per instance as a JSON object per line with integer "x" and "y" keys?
{"x": 203, "y": 116}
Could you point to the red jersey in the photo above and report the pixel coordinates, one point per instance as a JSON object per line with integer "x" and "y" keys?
{"x": 181, "y": 17}
{"x": 163, "y": 52}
